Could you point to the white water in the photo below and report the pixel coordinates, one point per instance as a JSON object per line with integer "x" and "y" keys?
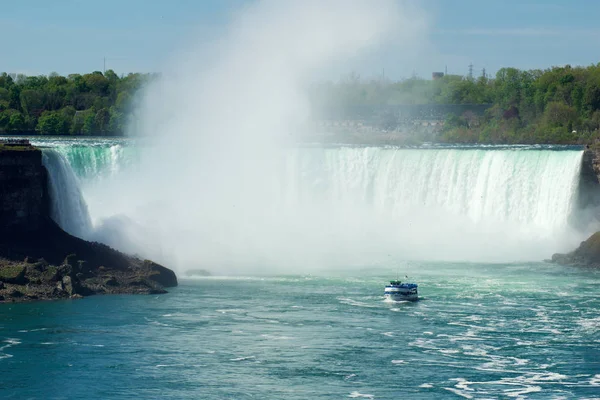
{"x": 533, "y": 189}
{"x": 68, "y": 207}
{"x": 341, "y": 206}
{"x": 214, "y": 188}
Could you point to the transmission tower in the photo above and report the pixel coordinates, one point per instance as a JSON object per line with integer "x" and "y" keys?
{"x": 471, "y": 71}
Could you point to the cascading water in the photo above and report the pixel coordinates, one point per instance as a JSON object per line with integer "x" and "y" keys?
{"x": 533, "y": 188}
{"x": 92, "y": 159}
{"x": 340, "y": 205}
{"x": 68, "y": 206}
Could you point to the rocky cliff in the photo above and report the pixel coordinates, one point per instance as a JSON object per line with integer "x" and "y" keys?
{"x": 588, "y": 252}
{"x": 22, "y": 188}
{"x": 38, "y": 260}
{"x": 589, "y": 193}
{"x": 586, "y": 255}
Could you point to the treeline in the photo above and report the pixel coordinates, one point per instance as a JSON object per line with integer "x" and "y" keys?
{"x": 90, "y": 104}
{"x": 556, "y": 105}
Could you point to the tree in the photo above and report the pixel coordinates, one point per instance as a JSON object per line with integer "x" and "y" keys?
{"x": 16, "y": 124}
{"x": 101, "y": 121}
{"x": 53, "y": 123}
{"x": 89, "y": 127}
{"x": 97, "y": 83}
{"x": 33, "y": 101}
{"x": 14, "y": 95}
{"x": 4, "y": 119}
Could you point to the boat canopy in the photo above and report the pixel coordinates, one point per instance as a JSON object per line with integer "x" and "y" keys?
{"x": 403, "y": 285}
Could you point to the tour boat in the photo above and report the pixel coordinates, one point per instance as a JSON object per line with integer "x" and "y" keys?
{"x": 399, "y": 291}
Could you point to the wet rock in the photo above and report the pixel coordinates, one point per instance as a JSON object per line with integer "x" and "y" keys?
{"x": 112, "y": 281}
{"x": 159, "y": 274}
{"x": 66, "y": 266}
{"x": 587, "y": 254}
{"x": 67, "y": 285}
{"x": 50, "y": 274}
{"x": 13, "y": 274}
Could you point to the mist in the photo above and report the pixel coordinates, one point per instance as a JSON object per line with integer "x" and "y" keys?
{"x": 212, "y": 128}
{"x": 213, "y": 187}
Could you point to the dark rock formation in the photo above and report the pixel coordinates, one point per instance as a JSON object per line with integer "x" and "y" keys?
{"x": 586, "y": 255}
{"x": 23, "y": 182}
{"x": 589, "y": 184}
{"x": 39, "y": 261}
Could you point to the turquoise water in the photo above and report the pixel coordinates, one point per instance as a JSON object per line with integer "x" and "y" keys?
{"x": 481, "y": 331}
{"x": 525, "y": 331}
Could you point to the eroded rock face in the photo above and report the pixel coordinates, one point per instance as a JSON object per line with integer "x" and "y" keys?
{"x": 23, "y": 202}
{"x": 586, "y": 255}
{"x": 99, "y": 270}
{"x": 39, "y": 261}
{"x": 589, "y": 183}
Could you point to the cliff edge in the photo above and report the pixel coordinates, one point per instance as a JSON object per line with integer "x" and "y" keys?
{"x": 40, "y": 261}
{"x": 586, "y": 255}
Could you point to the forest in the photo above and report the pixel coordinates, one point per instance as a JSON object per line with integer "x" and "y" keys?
{"x": 96, "y": 104}
{"x": 555, "y": 105}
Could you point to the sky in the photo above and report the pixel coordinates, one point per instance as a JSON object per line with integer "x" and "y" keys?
{"x": 80, "y": 36}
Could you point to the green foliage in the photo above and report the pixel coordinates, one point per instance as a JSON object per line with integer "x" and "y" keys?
{"x": 90, "y": 104}
{"x": 16, "y": 123}
{"x": 556, "y": 105}
{"x": 54, "y": 123}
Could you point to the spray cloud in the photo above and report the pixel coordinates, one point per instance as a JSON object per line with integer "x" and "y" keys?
{"x": 208, "y": 188}
{"x": 220, "y": 186}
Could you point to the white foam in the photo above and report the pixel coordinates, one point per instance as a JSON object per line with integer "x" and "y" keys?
{"x": 521, "y": 392}
{"x": 276, "y": 337}
{"x": 459, "y": 393}
{"x": 355, "y": 395}
{"x": 352, "y": 302}
{"x": 242, "y": 358}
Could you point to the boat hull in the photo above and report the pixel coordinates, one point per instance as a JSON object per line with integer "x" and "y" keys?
{"x": 401, "y": 291}
{"x": 401, "y": 297}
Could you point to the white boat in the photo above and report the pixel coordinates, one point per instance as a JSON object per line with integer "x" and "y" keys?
{"x": 399, "y": 291}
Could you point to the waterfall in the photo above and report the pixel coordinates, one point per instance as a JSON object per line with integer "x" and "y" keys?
{"x": 315, "y": 205}
{"x": 68, "y": 207}
{"x": 533, "y": 188}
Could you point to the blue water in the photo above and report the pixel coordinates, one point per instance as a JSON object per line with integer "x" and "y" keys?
{"x": 525, "y": 331}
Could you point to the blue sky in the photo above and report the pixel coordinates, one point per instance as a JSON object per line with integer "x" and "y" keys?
{"x": 66, "y": 36}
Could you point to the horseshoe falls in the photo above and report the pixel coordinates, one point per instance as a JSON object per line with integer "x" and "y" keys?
{"x": 336, "y": 206}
